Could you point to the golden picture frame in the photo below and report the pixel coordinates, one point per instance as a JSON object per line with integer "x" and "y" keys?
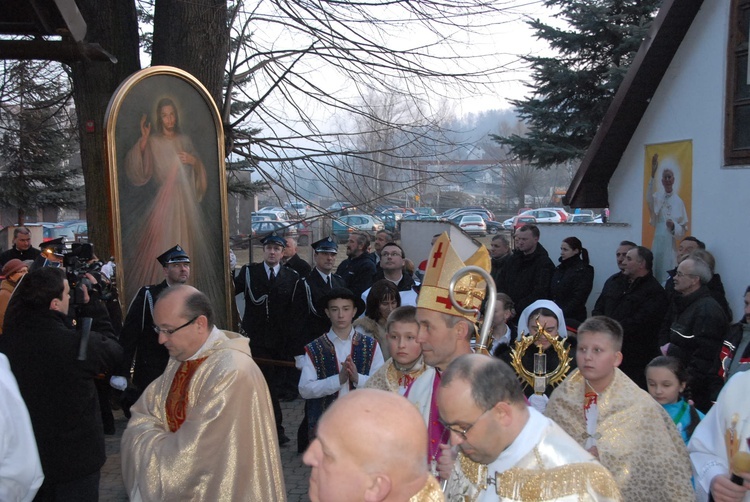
{"x": 165, "y": 153}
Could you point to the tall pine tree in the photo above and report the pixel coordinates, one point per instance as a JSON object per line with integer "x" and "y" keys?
{"x": 572, "y": 89}
{"x": 37, "y": 139}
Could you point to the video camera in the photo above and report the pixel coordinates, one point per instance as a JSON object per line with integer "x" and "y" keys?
{"x": 78, "y": 262}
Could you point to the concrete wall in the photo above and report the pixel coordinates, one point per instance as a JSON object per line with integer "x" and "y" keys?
{"x": 689, "y": 105}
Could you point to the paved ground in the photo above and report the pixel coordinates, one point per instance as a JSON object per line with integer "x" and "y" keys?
{"x": 111, "y": 488}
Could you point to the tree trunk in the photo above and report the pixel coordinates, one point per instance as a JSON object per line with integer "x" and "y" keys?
{"x": 114, "y": 26}
{"x": 193, "y": 36}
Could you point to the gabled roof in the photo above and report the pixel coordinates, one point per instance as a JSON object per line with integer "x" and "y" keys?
{"x": 43, "y": 19}
{"x": 589, "y": 186}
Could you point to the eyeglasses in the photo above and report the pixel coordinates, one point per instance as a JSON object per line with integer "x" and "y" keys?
{"x": 170, "y": 332}
{"x": 394, "y": 254}
{"x": 463, "y": 432}
{"x": 683, "y": 274}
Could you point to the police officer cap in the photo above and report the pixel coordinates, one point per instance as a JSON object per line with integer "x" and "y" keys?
{"x": 55, "y": 246}
{"x": 273, "y": 238}
{"x": 173, "y": 255}
{"x": 326, "y": 245}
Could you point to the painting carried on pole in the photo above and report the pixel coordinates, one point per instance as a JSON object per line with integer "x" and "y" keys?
{"x": 165, "y": 147}
{"x": 667, "y": 201}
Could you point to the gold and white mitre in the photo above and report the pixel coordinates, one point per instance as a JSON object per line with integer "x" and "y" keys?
{"x": 445, "y": 260}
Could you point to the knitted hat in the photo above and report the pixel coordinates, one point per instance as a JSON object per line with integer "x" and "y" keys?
{"x": 12, "y": 267}
{"x": 442, "y": 265}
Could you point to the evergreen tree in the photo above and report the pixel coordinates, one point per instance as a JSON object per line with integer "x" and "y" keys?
{"x": 572, "y": 89}
{"x": 38, "y": 139}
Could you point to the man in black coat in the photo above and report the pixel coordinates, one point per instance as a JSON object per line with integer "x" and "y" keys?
{"x": 617, "y": 283}
{"x": 527, "y": 272}
{"x": 359, "y": 268}
{"x": 22, "y": 248}
{"x": 55, "y": 367}
{"x": 499, "y": 254}
{"x": 640, "y": 309}
{"x": 292, "y": 260}
{"x": 137, "y": 337}
{"x": 274, "y": 306}
{"x": 696, "y": 325}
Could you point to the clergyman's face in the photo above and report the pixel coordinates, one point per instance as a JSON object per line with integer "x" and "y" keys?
{"x": 438, "y": 340}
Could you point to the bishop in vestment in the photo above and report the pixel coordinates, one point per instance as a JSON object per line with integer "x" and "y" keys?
{"x": 205, "y": 429}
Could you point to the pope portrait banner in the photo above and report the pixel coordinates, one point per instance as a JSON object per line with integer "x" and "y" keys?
{"x": 165, "y": 150}
{"x": 667, "y": 201}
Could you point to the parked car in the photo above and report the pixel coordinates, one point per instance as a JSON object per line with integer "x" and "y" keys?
{"x": 76, "y": 230}
{"x": 271, "y": 216}
{"x": 559, "y": 210}
{"x": 341, "y": 208}
{"x": 298, "y": 209}
{"x": 426, "y": 211}
{"x": 484, "y": 213}
{"x": 518, "y": 221}
{"x": 284, "y": 228}
{"x": 344, "y": 225}
{"x": 540, "y": 215}
{"x": 473, "y": 224}
{"x": 279, "y": 211}
{"x": 580, "y": 218}
{"x": 493, "y": 227}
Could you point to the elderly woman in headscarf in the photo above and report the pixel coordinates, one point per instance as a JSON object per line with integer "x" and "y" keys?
{"x": 547, "y": 314}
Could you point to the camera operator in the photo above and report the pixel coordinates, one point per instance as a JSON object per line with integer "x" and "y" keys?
{"x": 55, "y": 366}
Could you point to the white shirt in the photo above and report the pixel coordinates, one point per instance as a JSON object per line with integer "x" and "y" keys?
{"x": 276, "y": 269}
{"x": 309, "y": 385}
{"x": 325, "y": 277}
{"x": 20, "y": 470}
{"x": 503, "y": 339}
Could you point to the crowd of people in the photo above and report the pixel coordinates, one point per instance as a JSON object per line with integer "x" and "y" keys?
{"x": 650, "y": 405}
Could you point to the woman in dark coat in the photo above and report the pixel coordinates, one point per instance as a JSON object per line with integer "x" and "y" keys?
{"x": 572, "y": 280}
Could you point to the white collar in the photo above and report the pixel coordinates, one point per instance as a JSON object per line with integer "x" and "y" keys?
{"x": 529, "y": 437}
{"x": 332, "y": 336}
{"x": 324, "y": 276}
{"x": 214, "y": 335}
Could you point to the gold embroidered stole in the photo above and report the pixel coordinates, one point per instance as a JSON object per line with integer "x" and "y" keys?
{"x": 177, "y": 399}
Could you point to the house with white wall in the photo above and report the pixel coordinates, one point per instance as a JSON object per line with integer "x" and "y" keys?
{"x": 689, "y": 83}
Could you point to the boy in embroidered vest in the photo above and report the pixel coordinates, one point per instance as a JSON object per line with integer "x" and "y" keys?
{"x": 338, "y": 361}
{"x": 618, "y": 422}
{"x": 508, "y": 450}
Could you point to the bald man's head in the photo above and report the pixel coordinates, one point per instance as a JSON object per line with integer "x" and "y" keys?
{"x": 371, "y": 445}
{"x": 184, "y": 318}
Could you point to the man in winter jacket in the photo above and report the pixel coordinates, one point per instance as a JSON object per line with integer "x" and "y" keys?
{"x": 55, "y": 366}
{"x": 527, "y": 272}
{"x": 697, "y": 325}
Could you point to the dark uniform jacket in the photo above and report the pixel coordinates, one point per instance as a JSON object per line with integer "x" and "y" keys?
{"x": 526, "y": 278}
{"x": 139, "y": 340}
{"x": 697, "y": 326}
{"x": 42, "y": 347}
{"x": 357, "y": 273}
{"x": 272, "y": 311}
{"x": 317, "y": 320}
{"x": 639, "y": 307}
{"x": 298, "y": 265}
{"x": 571, "y": 286}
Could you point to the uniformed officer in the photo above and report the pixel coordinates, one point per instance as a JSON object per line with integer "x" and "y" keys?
{"x": 274, "y": 303}
{"x": 138, "y": 338}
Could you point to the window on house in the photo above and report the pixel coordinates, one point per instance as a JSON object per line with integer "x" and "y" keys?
{"x": 737, "y": 127}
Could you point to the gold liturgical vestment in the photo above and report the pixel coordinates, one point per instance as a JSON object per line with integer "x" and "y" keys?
{"x": 225, "y": 445}
{"x": 636, "y": 439}
{"x": 543, "y": 464}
